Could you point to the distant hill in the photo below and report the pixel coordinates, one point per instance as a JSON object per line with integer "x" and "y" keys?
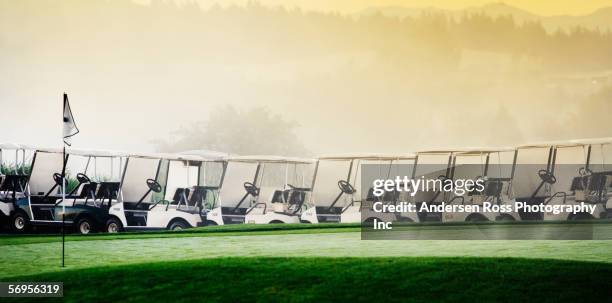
{"x": 602, "y": 18}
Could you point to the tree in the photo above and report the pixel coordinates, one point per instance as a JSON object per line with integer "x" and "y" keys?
{"x": 255, "y": 131}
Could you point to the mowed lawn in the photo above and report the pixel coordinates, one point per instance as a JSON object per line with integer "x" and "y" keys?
{"x": 337, "y": 280}
{"x": 34, "y": 255}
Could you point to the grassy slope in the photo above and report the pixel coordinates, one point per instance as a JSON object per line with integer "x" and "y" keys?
{"x": 338, "y": 279}
{"x": 37, "y": 258}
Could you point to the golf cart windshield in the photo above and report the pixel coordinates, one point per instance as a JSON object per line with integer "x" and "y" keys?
{"x": 15, "y": 159}
{"x": 328, "y": 174}
{"x": 276, "y": 177}
{"x": 530, "y": 161}
{"x": 181, "y": 175}
{"x": 44, "y": 166}
{"x": 570, "y": 167}
{"x": 137, "y": 171}
{"x": 431, "y": 166}
{"x": 236, "y": 174}
{"x": 15, "y": 166}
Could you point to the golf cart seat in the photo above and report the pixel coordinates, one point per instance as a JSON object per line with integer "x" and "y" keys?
{"x": 387, "y": 196}
{"x": 180, "y": 195}
{"x": 88, "y": 191}
{"x": 297, "y": 197}
{"x": 280, "y": 196}
{"x": 229, "y": 211}
{"x": 107, "y": 190}
{"x": 13, "y": 182}
{"x": 493, "y": 188}
{"x": 198, "y": 194}
{"x": 577, "y": 184}
{"x": 327, "y": 210}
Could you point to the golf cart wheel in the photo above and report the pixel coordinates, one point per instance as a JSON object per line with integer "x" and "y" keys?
{"x": 20, "y": 222}
{"x": 85, "y": 226}
{"x": 476, "y": 218}
{"x": 178, "y": 225}
{"x": 505, "y": 218}
{"x": 581, "y": 217}
{"x": 211, "y": 223}
{"x": 113, "y": 225}
{"x": 276, "y": 222}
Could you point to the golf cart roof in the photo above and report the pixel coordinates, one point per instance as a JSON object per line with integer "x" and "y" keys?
{"x": 559, "y": 143}
{"x": 96, "y": 153}
{"x": 474, "y": 151}
{"x": 365, "y": 156}
{"x": 167, "y": 156}
{"x": 597, "y": 141}
{"x": 461, "y": 150}
{"x": 8, "y": 145}
{"x": 209, "y": 155}
{"x": 83, "y": 152}
{"x": 270, "y": 159}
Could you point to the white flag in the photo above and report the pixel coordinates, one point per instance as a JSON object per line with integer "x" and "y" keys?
{"x": 70, "y": 128}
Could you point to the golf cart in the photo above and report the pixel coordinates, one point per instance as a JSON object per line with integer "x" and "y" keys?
{"x": 86, "y": 200}
{"x": 160, "y": 191}
{"x": 338, "y": 195}
{"x": 428, "y": 165}
{"x": 14, "y": 172}
{"x": 492, "y": 167}
{"x": 261, "y": 190}
{"x": 533, "y": 176}
{"x": 582, "y": 175}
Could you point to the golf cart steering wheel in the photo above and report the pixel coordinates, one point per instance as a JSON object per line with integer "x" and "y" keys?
{"x": 57, "y": 177}
{"x": 251, "y": 189}
{"x": 547, "y": 176}
{"x": 82, "y": 178}
{"x": 346, "y": 187}
{"x": 154, "y": 186}
{"x": 583, "y": 171}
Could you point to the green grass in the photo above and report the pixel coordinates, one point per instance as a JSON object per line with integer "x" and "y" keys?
{"x": 337, "y": 279}
{"x": 225, "y": 230}
{"x": 35, "y": 258}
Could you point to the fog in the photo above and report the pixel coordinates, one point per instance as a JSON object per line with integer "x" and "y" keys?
{"x": 137, "y": 73}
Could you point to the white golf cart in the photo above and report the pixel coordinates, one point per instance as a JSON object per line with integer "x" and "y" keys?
{"x": 533, "y": 177}
{"x": 493, "y": 167}
{"x": 15, "y": 161}
{"x": 430, "y": 164}
{"x": 87, "y": 200}
{"x": 262, "y": 190}
{"x": 337, "y": 188}
{"x": 160, "y": 191}
{"x": 582, "y": 175}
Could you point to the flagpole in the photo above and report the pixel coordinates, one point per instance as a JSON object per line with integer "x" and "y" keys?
{"x": 69, "y": 129}
{"x": 63, "y": 206}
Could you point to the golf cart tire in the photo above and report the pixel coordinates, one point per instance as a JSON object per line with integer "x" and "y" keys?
{"x": 505, "y": 218}
{"x": 85, "y": 225}
{"x": 476, "y": 218}
{"x": 178, "y": 224}
{"x": 24, "y": 224}
{"x": 305, "y": 222}
{"x": 211, "y": 223}
{"x": 580, "y": 217}
{"x": 276, "y": 222}
{"x": 369, "y": 222}
{"x": 113, "y": 225}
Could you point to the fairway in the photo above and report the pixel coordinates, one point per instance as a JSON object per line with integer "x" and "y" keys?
{"x": 339, "y": 280}
{"x": 34, "y": 258}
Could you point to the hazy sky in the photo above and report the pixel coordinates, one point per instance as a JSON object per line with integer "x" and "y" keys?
{"x": 135, "y": 75}
{"x": 541, "y": 7}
